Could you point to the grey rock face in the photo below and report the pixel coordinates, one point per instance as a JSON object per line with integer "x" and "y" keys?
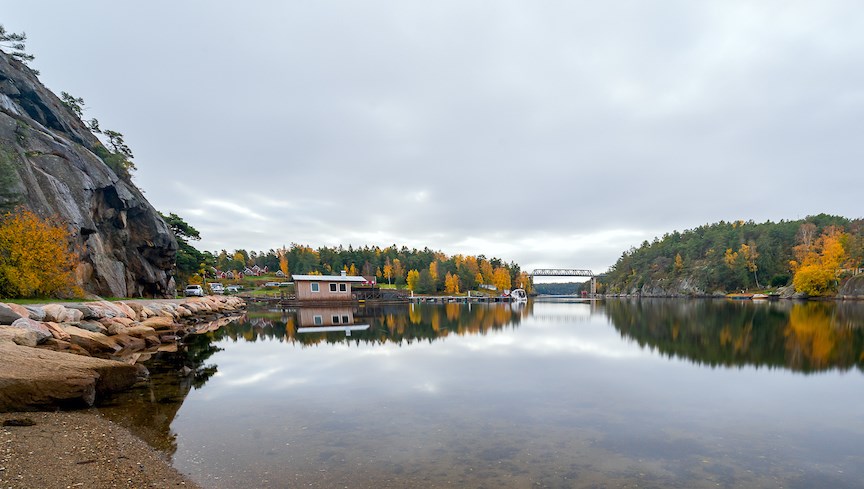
{"x": 48, "y": 163}
{"x": 853, "y": 288}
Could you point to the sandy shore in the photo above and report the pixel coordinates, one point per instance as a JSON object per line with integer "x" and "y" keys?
{"x": 78, "y": 450}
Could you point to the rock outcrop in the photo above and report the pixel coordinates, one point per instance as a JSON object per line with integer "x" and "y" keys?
{"x": 49, "y": 163}
{"x": 852, "y": 288}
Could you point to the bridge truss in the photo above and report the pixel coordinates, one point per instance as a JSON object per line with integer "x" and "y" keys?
{"x": 561, "y": 272}
{"x": 567, "y": 272}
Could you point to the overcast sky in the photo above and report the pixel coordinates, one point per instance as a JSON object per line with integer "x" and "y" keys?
{"x": 550, "y": 133}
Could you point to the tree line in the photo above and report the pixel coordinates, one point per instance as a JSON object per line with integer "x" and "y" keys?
{"x": 813, "y": 254}
{"x": 423, "y": 271}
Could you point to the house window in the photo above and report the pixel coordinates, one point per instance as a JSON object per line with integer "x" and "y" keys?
{"x": 335, "y": 319}
{"x": 315, "y": 287}
{"x": 332, "y": 287}
{"x": 345, "y": 319}
{"x": 318, "y": 320}
{"x": 342, "y": 288}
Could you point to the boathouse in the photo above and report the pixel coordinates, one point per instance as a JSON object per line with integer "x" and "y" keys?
{"x": 325, "y": 287}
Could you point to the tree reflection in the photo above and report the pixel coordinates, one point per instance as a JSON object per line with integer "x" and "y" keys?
{"x": 148, "y": 409}
{"x": 803, "y": 337}
{"x": 397, "y": 324}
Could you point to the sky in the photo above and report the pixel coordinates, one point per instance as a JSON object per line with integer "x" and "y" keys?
{"x": 556, "y": 134}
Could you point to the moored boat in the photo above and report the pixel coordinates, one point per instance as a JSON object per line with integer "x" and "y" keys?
{"x": 519, "y": 295}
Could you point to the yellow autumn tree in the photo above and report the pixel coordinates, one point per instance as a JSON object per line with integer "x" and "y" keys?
{"x": 388, "y": 270}
{"x": 488, "y": 273}
{"x": 451, "y": 283}
{"x": 398, "y": 271}
{"x": 817, "y": 265}
{"x": 283, "y": 260}
{"x": 35, "y": 256}
{"x": 413, "y": 278}
{"x": 748, "y": 251}
{"x": 525, "y": 282}
{"x": 501, "y": 278}
{"x": 730, "y": 258}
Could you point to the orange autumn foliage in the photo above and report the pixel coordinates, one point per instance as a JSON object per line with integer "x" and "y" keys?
{"x": 35, "y": 259}
{"x": 818, "y": 263}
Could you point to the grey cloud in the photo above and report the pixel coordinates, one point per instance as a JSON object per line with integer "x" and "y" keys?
{"x": 468, "y": 122}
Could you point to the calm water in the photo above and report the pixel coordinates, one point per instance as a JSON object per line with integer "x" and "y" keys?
{"x": 658, "y": 394}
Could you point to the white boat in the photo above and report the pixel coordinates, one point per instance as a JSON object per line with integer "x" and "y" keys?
{"x": 519, "y": 295}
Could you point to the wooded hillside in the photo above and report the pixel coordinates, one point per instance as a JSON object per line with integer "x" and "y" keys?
{"x": 814, "y": 254}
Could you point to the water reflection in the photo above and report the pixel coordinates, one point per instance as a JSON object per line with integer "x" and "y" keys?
{"x": 550, "y": 395}
{"x": 799, "y": 336}
{"x": 398, "y": 324}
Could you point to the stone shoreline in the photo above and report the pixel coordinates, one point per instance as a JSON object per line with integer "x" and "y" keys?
{"x": 68, "y": 355}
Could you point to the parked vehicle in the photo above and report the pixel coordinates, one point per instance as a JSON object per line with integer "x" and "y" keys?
{"x": 216, "y": 288}
{"x": 271, "y": 284}
{"x": 193, "y": 290}
{"x": 233, "y": 289}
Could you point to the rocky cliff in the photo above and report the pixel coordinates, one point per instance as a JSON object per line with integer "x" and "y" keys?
{"x": 48, "y": 163}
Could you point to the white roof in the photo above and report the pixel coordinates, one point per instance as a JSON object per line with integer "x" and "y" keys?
{"x": 329, "y": 278}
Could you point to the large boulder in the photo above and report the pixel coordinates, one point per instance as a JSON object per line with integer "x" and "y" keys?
{"x": 36, "y": 313}
{"x": 49, "y": 163}
{"x": 42, "y": 331}
{"x": 92, "y": 342}
{"x": 19, "y": 336}
{"x": 20, "y": 310}
{"x": 7, "y": 315}
{"x": 56, "y": 313}
{"x": 32, "y": 378}
{"x": 853, "y": 288}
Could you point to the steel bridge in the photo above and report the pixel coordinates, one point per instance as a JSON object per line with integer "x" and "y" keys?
{"x": 567, "y": 272}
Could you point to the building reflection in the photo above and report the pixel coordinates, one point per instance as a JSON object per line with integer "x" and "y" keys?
{"x": 331, "y": 319}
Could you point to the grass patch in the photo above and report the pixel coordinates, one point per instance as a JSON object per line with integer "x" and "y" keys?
{"x": 41, "y": 300}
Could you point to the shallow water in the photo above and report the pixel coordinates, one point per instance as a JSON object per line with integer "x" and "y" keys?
{"x": 659, "y": 394}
